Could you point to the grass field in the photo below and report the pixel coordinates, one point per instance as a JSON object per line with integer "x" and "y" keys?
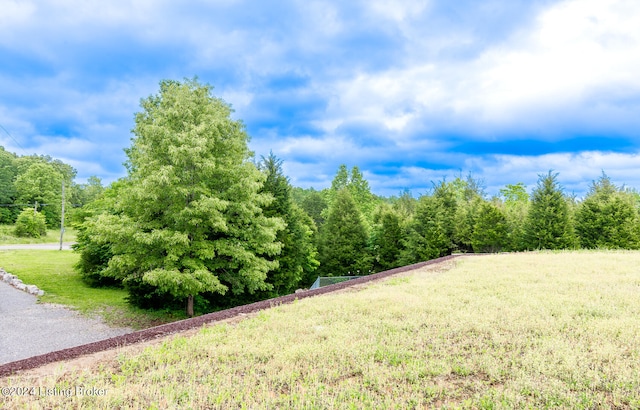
{"x": 52, "y": 271}
{"x": 7, "y": 236}
{"x": 533, "y": 330}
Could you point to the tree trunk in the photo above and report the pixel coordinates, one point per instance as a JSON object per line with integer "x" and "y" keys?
{"x": 190, "y": 306}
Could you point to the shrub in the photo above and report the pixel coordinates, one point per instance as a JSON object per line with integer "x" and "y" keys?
{"x": 30, "y": 223}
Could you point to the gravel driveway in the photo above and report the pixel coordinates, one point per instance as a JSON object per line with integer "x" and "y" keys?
{"x": 28, "y": 328}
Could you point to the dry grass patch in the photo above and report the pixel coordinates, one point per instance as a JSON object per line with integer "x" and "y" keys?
{"x": 541, "y": 330}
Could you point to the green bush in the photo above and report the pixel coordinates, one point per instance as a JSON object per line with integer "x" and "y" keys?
{"x": 30, "y": 223}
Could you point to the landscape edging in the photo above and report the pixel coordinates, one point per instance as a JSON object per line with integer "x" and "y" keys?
{"x": 17, "y": 283}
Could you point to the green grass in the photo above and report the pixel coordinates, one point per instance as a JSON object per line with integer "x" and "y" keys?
{"x": 7, "y": 236}
{"x": 534, "y": 330}
{"x": 52, "y": 271}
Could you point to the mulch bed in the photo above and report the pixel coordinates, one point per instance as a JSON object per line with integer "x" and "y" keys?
{"x": 182, "y": 325}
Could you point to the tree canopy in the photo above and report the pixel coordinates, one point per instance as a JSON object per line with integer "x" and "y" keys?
{"x": 189, "y": 216}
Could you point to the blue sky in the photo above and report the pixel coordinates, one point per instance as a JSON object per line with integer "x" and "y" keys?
{"x": 409, "y": 91}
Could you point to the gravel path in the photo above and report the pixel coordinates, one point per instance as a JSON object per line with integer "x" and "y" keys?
{"x": 28, "y": 328}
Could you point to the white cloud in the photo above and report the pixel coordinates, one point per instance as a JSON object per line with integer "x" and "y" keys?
{"x": 397, "y": 11}
{"x": 559, "y": 68}
{"x": 14, "y": 14}
{"x": 577, "y": 47}
{"x": 426, "y": 80}
{"x": 575, "y": 170}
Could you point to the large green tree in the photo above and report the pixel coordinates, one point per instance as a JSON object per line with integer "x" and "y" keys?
{"x": 189, "y": 218}
{"x": 607, "y": 218}
{"x": 549, "y": 224}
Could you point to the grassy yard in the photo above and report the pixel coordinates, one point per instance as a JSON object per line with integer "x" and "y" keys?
{"x": 53, "y": 236}
{"x": 534, "y": 330}
{"x": 52, "y": 271}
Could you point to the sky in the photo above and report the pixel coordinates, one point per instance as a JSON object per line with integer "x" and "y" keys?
{"x": 410, "y": 91}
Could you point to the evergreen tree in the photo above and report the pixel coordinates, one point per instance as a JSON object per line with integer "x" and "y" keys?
{"x": 343, "y": 244}
{"x": 404, "y": 205}
{"x": 446, "y": 208}
{"x": 468, "y": 193}
{"x": 359, "y": 189}
{"x": 387, "y": 239}
{"x": 607, "y": 218}
{"x": 490, "y": 229}
{"x": 189, "y": 219}
{"x": 361, "y": 193}
{"x": 340, "y": 181}
{"x": 427, "y": 235}
{"x": 548, "y": 224}
{"x": 297, "y": 258}
{"x": 313, "y": 203}
{"x": 516, "y": 208}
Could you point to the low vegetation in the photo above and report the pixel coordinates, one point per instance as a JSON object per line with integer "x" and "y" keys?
{"x": 533, "y": 330}
{"x": 52, "y": 271}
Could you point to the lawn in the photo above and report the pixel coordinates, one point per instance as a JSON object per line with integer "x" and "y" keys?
{"x": 52, "y": 271}
{"x": 7, "y": 236}
{"x": 533, "y": 330}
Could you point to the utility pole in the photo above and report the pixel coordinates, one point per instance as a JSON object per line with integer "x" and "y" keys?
{"x": 62, "y": 217}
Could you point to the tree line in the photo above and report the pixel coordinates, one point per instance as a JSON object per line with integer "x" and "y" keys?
{"x": 198, "y": 222}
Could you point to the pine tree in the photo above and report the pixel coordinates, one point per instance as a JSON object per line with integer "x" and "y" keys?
{"x": 427, "y": 237}
{"x": 343, "y": 245}
{"x": 490, "y": 229}
{"x": 359, "y": 189}
{"x": 446, "y": 208}
{"x": 607, "y": 218}
{"x": 297, "y": 260}
{"x": 387, "y": 239}
{"x": 549, "y": 224}
{"x": 516, "y": 208}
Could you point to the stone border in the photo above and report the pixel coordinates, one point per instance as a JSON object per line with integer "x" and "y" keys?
{"x": 17, "y": 283}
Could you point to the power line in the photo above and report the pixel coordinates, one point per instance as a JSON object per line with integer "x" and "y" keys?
{"x": 14, "y": 140}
